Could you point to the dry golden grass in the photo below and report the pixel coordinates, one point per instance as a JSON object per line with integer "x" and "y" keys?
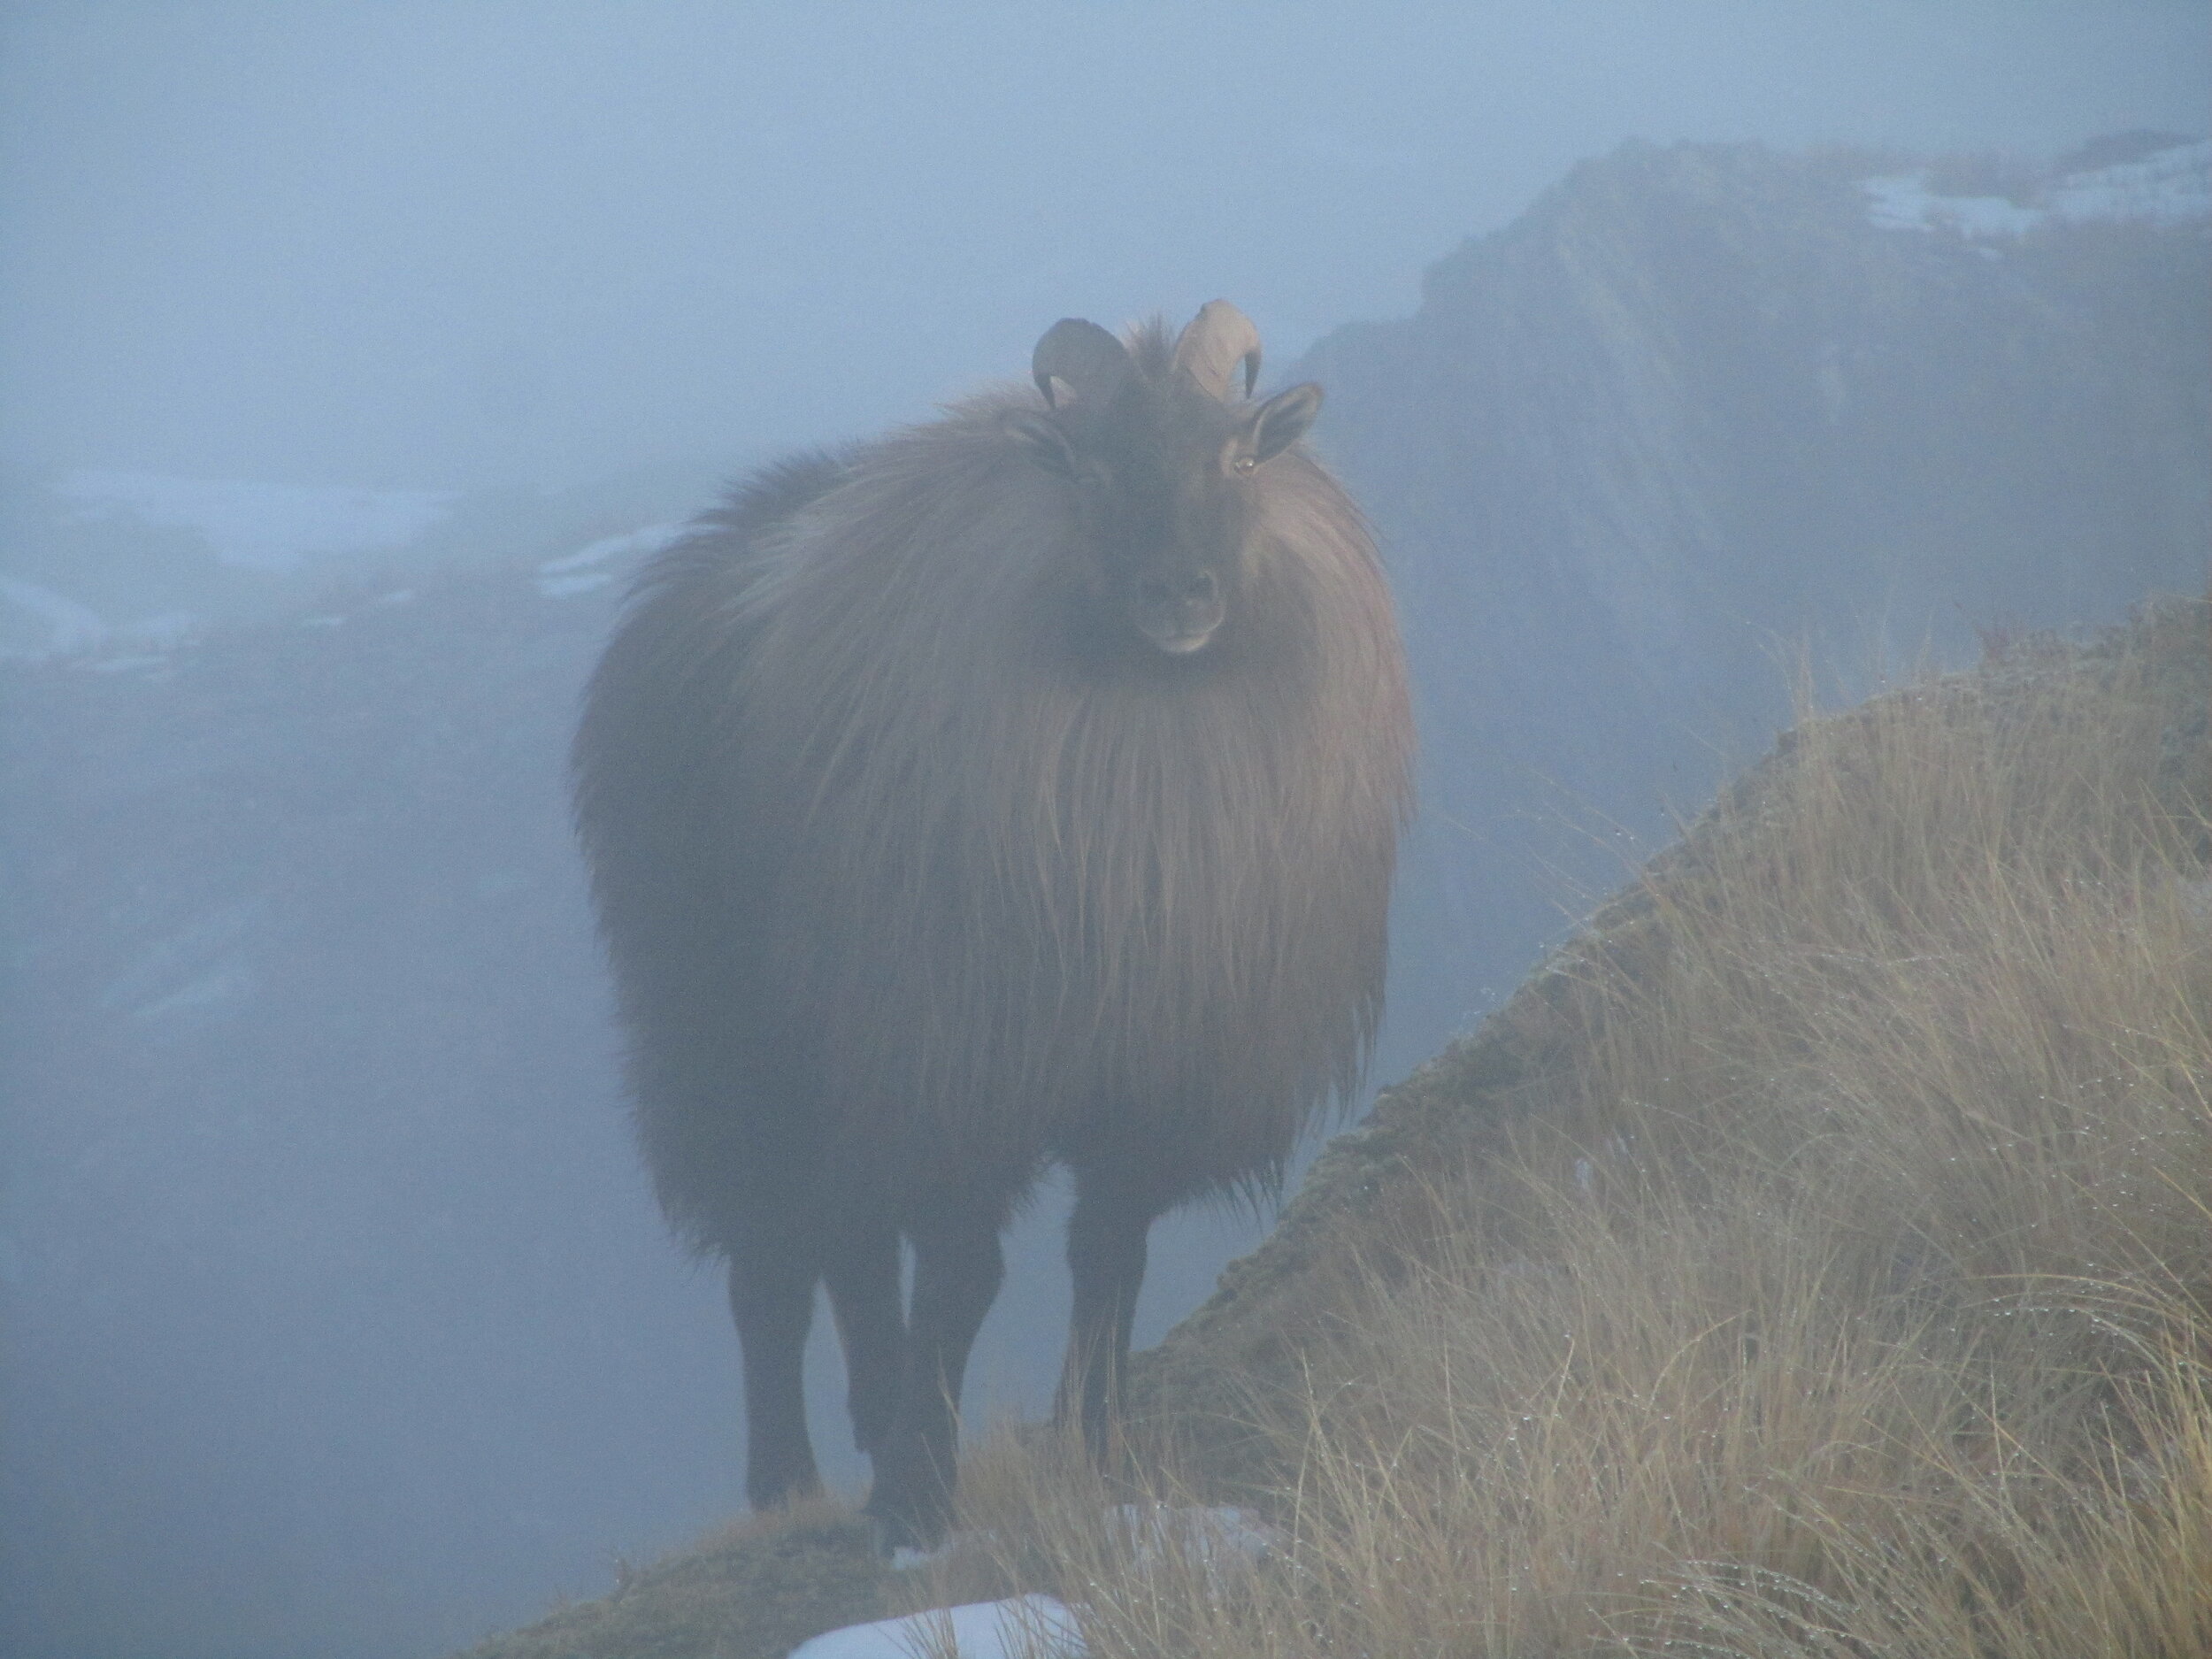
{"x": 754, "y": 1589}
{"x": 1849, "y": 1293}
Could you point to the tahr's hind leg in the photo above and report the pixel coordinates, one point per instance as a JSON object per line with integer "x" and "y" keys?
{"x": 1106, "y": 1258}
{"x": 863, "y": 1273}
{"x": 957, "y": 1267}
{"x": 772, "y": 1297}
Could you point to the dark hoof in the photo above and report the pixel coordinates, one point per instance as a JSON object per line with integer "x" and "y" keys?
{"x": 780, "y": 1492}
{"x": 895, "y": 1526}
{"x": 885, "y": 1537}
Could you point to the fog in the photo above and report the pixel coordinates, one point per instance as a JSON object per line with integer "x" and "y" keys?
{"x": 274, "y": 1387}
{"x": 453, "y": 244}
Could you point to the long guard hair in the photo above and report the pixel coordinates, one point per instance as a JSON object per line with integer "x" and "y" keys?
{"x": 1023, "y": 786}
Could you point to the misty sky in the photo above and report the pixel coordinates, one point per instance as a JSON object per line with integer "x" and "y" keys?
{"x": 461, "y": 242}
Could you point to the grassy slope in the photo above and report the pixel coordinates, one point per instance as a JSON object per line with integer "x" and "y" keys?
{"x": 754, "y": 1591}
{"x": 1814, "y": 1258}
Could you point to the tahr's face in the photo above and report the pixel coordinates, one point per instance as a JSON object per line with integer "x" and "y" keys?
{"x": 1171, "y": 534}
{"x": 1165, "y": 498}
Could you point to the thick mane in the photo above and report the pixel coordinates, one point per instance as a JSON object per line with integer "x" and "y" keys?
{"x": 1023, "y": 787}
{"x": 1086, "y": 892}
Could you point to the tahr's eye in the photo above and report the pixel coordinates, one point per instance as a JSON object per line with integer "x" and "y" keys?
{"x": 1243, "y": 464}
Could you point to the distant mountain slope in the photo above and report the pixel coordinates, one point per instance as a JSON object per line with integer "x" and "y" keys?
{"x": 1702, "y": 404}
{"x": 136, "y": 561}
{"x": 321, "y": 1226}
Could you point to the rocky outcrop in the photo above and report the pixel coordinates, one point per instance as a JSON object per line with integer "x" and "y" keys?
{"x": 1703, "y": 406}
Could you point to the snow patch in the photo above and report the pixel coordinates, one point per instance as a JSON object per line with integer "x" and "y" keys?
{"x": 1038, "y": 1626}
{"x": 569, "y": 586}
{"x": 1154, "y": 1531}
{"x": 266, "y": 527}
{"x": 2165, "y": 188}
{"x": 572, "y": 573}
{"x": 196, "y": 968}
{"x": 1906, "y": 203}
{"x": 2168, "y": 187}
{"x": 651, "y": 539}
{"x": 1023, "y": 1627}
{"x": 45, "y": 624}
{"x": 163, "y": 632}
{"x": 68, "y": 627}
{"x": 232, "y": 983}
{"x": 130, "y": 664}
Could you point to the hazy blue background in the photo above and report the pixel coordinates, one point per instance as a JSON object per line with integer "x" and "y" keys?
{"x": 458, "y": 244}
{"x": 526, "y": 248}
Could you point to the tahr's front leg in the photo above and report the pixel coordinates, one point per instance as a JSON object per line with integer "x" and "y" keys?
{"x": 862, "y": 1275}
{"x": 1106, "y": 1257}
{"x": 771, "y": 1298}
{"x": 957, "y": 1267}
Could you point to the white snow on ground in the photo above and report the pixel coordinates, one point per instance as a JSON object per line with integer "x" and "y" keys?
{"x": 1038, "y": 1626}
{"x": 163, "y": 632}
{"x": 44, "y": 624}
{"x": 652, "y": 539}
{"x": 571, "y": 574}
{"x": 1152, "y": 1530}
{"x": 1905, "y": 202}
{"x": 1027, "y": 1627}
{"x": 268, "y": 526}
{"x": 2168, "y": 187}
{"x": 569, "y": 586}
{"x": 2164, "y": 188}
{"x": 68, "y": 625}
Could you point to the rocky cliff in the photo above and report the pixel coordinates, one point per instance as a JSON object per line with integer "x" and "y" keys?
{"x": 1703, "y": 407}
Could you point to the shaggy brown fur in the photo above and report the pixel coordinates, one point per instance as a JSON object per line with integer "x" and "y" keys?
{"x": 922, "y": 866}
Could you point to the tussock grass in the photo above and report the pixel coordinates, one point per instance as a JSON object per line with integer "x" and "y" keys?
{"x": 1845, "y": 1290}
{"x": 753, "y": 1589}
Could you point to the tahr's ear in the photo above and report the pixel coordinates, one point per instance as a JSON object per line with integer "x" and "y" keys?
{"x": 1042, "y": 440}
{"x": 1282, "y": 420}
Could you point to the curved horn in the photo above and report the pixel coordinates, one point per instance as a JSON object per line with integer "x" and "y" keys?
{"x": 1218, "y": 339}
{"x": 1084, "y": 355}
